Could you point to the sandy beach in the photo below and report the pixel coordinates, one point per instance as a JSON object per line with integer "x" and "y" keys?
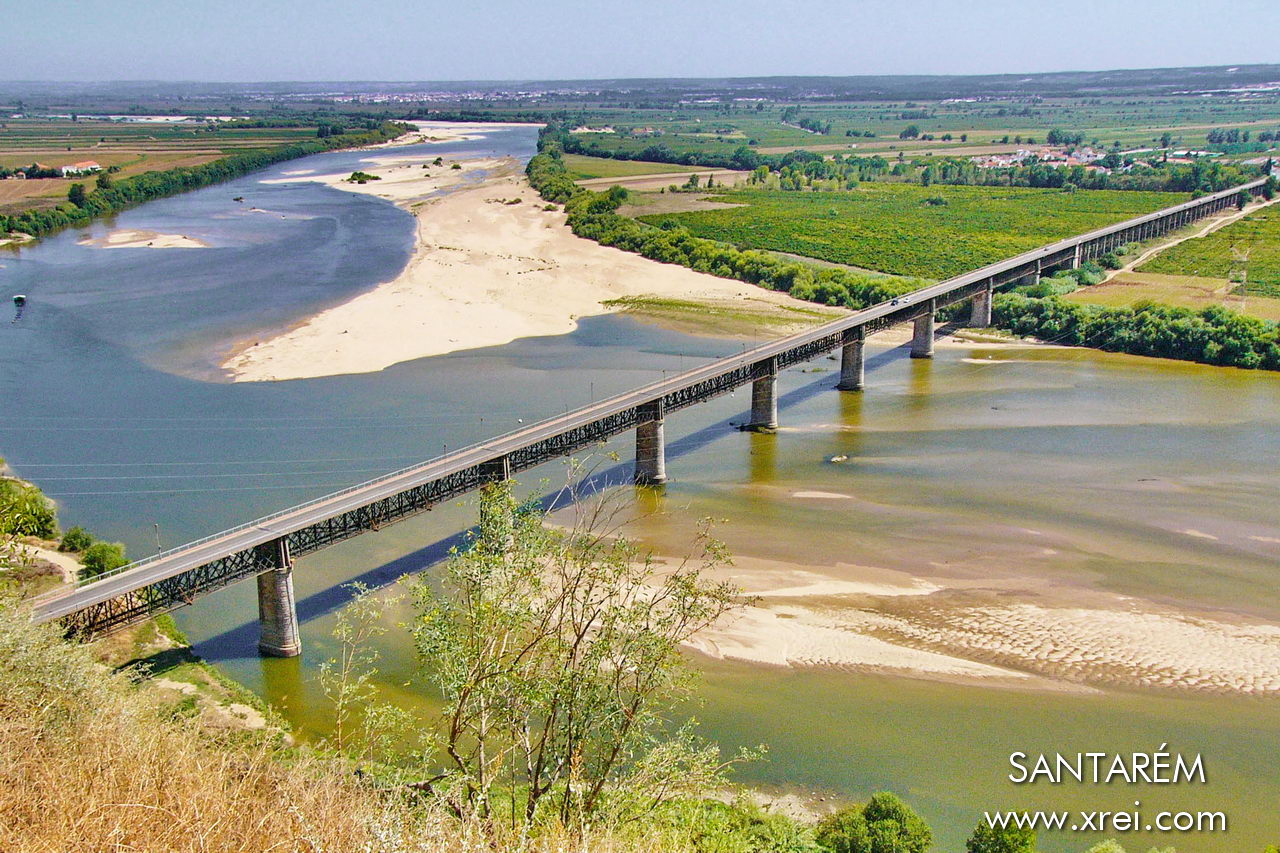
{"x": 491, "y": 264}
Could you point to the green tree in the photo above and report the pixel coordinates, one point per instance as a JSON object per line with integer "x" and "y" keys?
{"x": 76, "y": 195}
{"x": 25, "y": 511}
{"x": 1006, "y": 839}
{"x": 884, "y": 825}
{"x": 557, "y": 653}
{"x": 103, "y": 557}
{"x": 75, "y": 539}
{"x": 104, "y": 181}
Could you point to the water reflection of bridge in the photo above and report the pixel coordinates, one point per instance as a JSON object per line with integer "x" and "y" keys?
{"x": 265, "y": 548}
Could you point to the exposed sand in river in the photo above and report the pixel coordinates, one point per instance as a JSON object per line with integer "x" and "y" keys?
{"x": 1020, "y": 632}
{"x": 128, "y": 238}
{"x": 490, "y": 265}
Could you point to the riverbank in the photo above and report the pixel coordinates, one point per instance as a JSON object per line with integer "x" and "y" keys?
{"x": 492, "y": 263}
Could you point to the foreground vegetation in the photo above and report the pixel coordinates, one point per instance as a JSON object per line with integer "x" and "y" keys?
{"x": 552, "y": 736}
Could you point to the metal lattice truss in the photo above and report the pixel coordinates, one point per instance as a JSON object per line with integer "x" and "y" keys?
{"x": 170, "y": 593}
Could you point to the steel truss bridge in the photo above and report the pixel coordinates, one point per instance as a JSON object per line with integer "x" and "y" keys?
{"x": 266, "y": 546}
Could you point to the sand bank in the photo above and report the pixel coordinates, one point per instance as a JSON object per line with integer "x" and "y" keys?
{"x": 128, "y": 238}
{"x": 491, "y": 265}
{"x": 1012, "y": 632}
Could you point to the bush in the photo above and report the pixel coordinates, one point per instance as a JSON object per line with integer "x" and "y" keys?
{"x": 25, "y": 511}
{"x": 884, "y": 825}
{"x": 1007, "y": 839}
{"x": 75, "y": 539}
{"x": 103, "y": 557}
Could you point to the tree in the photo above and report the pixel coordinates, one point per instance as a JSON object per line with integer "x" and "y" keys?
{"x": 910, "y": 132}
{"x": 1005, "y": 839}
{"x": 76, "y": 195}
{"x": 557, "y": 653}
{"x": 884, "y": 825}
{"x": 1166, "y": 140}
{"x": 75, "y": 539}
{"x": 103, "y": 557}
{"x": 104, "y": 181}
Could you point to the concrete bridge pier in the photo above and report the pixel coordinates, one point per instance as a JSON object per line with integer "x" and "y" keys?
{"x": 852, "y": 360}
{"x": 980, "y": 309}
{"x": 651, "y": 447}
{"x": 277, "y": 612}
{"x": 764, "y": 400}
{"x": 922, "y": 339}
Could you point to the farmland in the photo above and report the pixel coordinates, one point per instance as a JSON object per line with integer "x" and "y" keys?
{"x": 909, "y": 229}
{"x": 586, "y": 168}
{"x": 1128, "y": 289}
{"x": 130, "y": 147}
{"x": 1251, "y": 245}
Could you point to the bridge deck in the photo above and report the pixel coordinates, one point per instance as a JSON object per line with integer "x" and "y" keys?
{"x": 675, "y": 392}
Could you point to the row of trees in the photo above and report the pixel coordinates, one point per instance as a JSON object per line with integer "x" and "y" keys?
{"x": 1213, "y": 335}
{"x": 83, "y": 206}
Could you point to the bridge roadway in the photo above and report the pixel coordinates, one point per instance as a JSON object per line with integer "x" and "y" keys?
{"x": 265, "y": 547}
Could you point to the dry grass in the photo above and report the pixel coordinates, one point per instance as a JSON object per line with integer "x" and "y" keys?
{"x": 90, "y": 761}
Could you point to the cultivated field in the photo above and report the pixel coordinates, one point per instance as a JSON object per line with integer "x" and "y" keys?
{"x": 132, "y": 147}
{"x": 908, "y": 229}
{"x": 1250, "y": 246}
{"x": 1181, "y": 290}
{"x": 587, "y": 168}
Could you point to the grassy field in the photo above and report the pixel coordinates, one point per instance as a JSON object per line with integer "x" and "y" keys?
{"x": 584, "y": 168}
{"x": 132, "y": 147}
{"x": 1184, "y": 291}
{"x": 901, "y": 229}
{"x": 1255, "y": 237}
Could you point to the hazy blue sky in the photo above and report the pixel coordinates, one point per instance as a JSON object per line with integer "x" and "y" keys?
{"x": 249, "y": 40}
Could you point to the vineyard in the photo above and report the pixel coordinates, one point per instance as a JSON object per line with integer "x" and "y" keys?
{"x": 907, "y": 229}
{"x": 1251, "y": 245}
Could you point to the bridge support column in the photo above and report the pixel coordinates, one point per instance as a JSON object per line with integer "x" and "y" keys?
{"x": 852, "y": 360}
{"x": 922, "y": 339}
{"x": 764, "y": 400}
{"x": 980, "y": 309}
{"x": 651, "y": 446}
{"x": 277, "y": 612}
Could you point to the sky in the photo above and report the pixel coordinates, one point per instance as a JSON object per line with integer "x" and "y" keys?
{"x": 282, "y": 40}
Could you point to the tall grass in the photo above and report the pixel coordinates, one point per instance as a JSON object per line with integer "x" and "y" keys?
{"x": 90, "y": 761}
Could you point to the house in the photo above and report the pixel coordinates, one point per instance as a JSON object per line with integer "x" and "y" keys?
{"x": 82, "y": 168}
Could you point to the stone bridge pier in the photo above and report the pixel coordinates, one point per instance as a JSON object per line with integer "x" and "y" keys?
{"x": 922, "y": 338}
{"x": 852, "y": 359}
{"x": 980, "y": 308}
{"x": 277, "y": 611}
{"x": 651, "y": 447}
{"x": 764, "y": 400}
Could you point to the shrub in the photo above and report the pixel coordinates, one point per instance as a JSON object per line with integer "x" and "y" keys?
{"x": 884, "y": 825}
{"x": 1005, "y": 839}
{"x": 75, "y": 539}
{"x": 25, "y": 511}
{"x": 103, "y": 557}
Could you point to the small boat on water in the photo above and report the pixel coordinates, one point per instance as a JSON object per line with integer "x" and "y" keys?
{"x": 20, "y": 299}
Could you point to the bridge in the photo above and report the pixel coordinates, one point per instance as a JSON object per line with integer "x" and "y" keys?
{"x": 266, "y": 547}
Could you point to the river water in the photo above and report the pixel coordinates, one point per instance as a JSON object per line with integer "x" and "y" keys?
{"x": 1152, "y": 480}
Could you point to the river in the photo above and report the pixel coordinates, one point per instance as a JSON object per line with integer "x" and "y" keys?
{"x": 988, "y": 469}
